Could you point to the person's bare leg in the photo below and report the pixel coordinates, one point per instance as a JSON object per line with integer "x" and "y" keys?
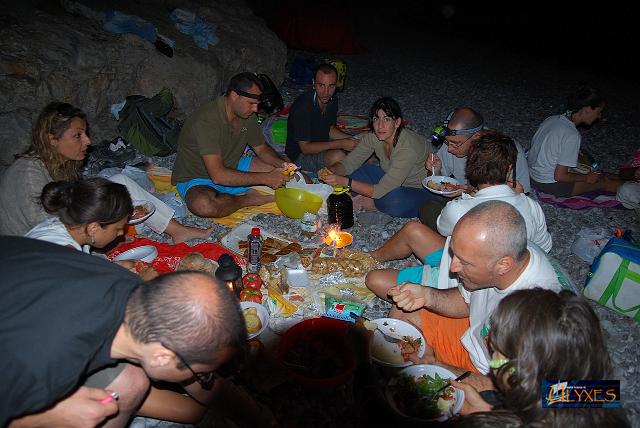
{"x": 608, "y": 183}
{"x": 204, "y": 201}
{"x": 180, "y": 233}
{"x": 132, "y": 386}
{"x": 413, "y": 238}
{"x": 380, "y": 281}
{"x": 171, "y": 406}
{"x": 332, "y": 157}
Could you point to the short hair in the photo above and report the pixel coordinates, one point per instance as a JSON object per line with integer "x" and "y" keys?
{"x": 584, "y": 96}
{"x": 243, "y": 82}
{"x": 536, "y": 330}
{"x": 465, "y": 118}
{"x": 166, "y": 310}
{"x": 325, "y": 68}
{"x": 86, "y": 201}
{"x": 54, "y": 119}
{"x": 391, "y": 108}
{"x": 489, "y": 160}
{"x": 504, "y": 224}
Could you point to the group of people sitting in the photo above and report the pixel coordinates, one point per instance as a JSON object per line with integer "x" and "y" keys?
{"x": 77, "y": 327}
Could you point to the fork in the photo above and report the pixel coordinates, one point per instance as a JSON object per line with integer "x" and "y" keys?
{"x": 448, "y": 384}
{"x": 389, "y": 338}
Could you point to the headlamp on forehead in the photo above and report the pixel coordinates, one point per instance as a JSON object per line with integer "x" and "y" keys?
{"x": 442, "y": 131}
{"x": 248, "y": 94}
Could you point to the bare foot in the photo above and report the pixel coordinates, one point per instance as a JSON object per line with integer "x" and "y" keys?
{"x": 180, "y": 233}
{"x": 255, "y": 198}
{"x": 364, "y": 202}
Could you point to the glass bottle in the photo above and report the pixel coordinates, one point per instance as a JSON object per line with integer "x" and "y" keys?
{"x": 340, "y": 207}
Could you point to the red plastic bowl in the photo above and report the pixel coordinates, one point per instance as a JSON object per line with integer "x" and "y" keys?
{"x": 316, "y": 352}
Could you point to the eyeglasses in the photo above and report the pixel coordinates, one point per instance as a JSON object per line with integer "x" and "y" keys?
{"x": 205, "y": 379}
{"x": 456, "y": 145}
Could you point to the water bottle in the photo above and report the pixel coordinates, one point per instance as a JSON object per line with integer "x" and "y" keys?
{"x": 340, "y": 207}
{"x": 309, "y": 224}
{"x": 255, "y": 250}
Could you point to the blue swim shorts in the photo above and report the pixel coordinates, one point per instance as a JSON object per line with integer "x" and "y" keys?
{"x": 426, "y": 275}
{"x": 243, "y": 165}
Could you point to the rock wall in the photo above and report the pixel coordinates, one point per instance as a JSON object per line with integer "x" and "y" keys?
{"x": 58, "y": 50}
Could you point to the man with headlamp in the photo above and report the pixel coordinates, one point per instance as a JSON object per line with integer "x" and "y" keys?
{"x": 210, "y": 172}
{"x": 459, "y": 131}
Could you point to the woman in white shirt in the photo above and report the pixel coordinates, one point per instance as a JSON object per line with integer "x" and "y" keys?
{"x": 556, "y": 145}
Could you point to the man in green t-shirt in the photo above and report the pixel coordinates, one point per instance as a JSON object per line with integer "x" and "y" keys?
{"x": 210, "y": 171}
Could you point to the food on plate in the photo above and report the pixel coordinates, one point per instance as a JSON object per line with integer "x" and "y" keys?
{"x": 407, "y": 391}
{"x": 252, "y": 281}
{"x": 249, "y": 295}
{"x": 442, "y": 186}
{"x": 351, "y": 263}
{"x": 198, "y": 262}
{"x": 409, "y": 346}
{"x": 252, "y": 320}
{"x": 139, "y": 211}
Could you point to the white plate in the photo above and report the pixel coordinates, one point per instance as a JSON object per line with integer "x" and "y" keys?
{"x": 431, "y": 370}
{"x": 439, "y": 179}
{"x": 388, "y": 354}
{"x": 145, "y": 253}
{"x": 150, "y": 210}
{"x": 262, "y": 314}
{"x": 232, "y": 239}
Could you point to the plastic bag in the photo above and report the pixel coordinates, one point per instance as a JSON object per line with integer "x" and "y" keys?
{"x": 319, "y": 189}
{"x": 589, "y": 242}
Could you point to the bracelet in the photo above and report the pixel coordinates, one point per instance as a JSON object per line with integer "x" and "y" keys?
{"x": 350, "y": 181}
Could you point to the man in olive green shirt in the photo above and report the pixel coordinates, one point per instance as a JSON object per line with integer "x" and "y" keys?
{"x": 210, "y": 172}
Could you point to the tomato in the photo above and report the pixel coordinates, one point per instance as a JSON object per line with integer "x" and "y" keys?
{"x": 252, "y": 281}
{"x": 248, "y": 295}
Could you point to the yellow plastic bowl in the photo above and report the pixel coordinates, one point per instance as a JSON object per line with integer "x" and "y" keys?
{"x": 295, "y": 202}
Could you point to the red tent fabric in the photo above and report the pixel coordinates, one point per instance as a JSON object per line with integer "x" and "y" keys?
{"x": 324, "y": 26}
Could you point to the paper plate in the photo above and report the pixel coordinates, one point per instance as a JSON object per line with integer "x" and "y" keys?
{"x": 145, "y": 253}
{"x": 440, "y": 179}
{"x": 148, "y": 208}
{"x": 419, "y": 370}
{"x": 388, "y": 354}
{"x": 262, "y": 314}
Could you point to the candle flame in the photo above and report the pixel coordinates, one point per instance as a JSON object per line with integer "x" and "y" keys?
{"x": 230, "y": 285}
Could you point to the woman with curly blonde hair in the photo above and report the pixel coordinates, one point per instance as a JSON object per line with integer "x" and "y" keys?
{"x": 59, "y": 144}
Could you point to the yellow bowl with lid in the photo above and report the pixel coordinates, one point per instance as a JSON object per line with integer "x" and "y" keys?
{"x": 295, "y": 202}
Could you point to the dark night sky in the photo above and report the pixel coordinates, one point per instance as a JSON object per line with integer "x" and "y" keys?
{"x": 602, "y": 36}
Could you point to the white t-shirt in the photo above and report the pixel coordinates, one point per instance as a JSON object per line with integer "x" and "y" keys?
{"x": 529, "y": 209}
{"x": 556, "y": 142}
{"x": 53, "y": 230}
{"x": 482, "y": 303}
{"x": 453, "y": 165}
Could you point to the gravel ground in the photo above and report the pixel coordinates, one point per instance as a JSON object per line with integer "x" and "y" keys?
{"x": 514, "y": 92}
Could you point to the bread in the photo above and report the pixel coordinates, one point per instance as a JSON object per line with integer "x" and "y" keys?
{"x": 196, "y": 261}
{"x": 252, "y": 320}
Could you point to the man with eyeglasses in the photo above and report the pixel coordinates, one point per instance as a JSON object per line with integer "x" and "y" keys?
{"x": 67, "y": 319}
{"x": 460, "y": 130}
{"x": 211, "y": 172}
{"x": 313, "y": 141}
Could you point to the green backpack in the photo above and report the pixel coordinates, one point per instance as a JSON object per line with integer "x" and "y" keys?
{"x": 145, "y": 126}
